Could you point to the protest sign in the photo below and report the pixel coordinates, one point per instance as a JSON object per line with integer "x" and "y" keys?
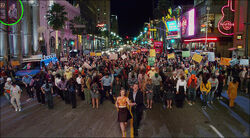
{"x": 151, "y": 61}
{"x": 244, "y": 62}
{"x": 92, "y": 53}
{"x": 185, "y": 53}
{"x": 211, "y": 56}
{"x": 197, "y": 58}
{"x": 225, "y": 61}
{"x": 113, "y": 57}
{"x": 234, "y": 62}
{"x": 124, "y": 56}
{"x": 152, "y": 53}
{"x": 98, "y": 54}
{"x": 63, "y": 59}
{"x": 171, "y": 56}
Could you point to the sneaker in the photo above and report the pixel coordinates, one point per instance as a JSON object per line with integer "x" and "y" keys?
{"x": 16, "y": 109}
{"x": 212, "y": 102}
{"x": 218, "y": 98}
{"x": 221, "y": 98}
{"x": 190, "y": 104}
{"x": 20, "y": 109}
{"x": 28, "y": 99}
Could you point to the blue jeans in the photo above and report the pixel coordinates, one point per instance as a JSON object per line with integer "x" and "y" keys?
{"x": 204, "y": 98}
{"x": 7, "y": 95}
{"x": 211, "y": 94}
{"x": 191, "y": 94}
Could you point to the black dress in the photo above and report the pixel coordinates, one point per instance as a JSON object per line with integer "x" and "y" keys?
{"x": 179, "y": 98}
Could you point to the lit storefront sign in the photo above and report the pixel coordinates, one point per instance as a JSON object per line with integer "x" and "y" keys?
{"x": 188, "y": 23}
{"x": 172, "y": 26}
{"x": 225, "y": 24}
{"x": 211, "y": 39}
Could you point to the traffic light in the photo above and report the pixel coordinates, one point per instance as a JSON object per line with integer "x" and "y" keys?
{"x": 72, "y": 43}
{"x": 135, "y": 38}
{"x": 172, "y": 41}
{"x": 145, "y": 29}
{"x": 126, "y": 37}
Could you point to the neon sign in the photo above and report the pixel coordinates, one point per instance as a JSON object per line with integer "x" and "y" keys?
{"x": 183, "y": 25}
{"x": 172, "y": 26}
{"x": 225, "y": 26}
{"x": 191, "y": 22}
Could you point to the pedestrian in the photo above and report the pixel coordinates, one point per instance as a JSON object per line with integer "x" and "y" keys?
{"x": 136, "y": 98}
{"x": 123, "y": 112}
{"x": 149, "y": 93}
{"x": 63, "y": 90}
{"x": 205, "y": 88}
{"x": 7, "y": 87}
{"x": 106, "y": 87}
{"x": 157, "y": 83}
{"x": 26, "y": 81}
{"x": 15, "y": 93}
{"x": 87, "y": 89}
{"x": 243, "y": 77}
{"x": 116, "y": 86}
{"x": 214, "y": 85}
{"x": 192, "y": 86}
{"x": 181, "y": 88}
{"x": 232, "y": 92}
{"x": 38, "y": 83}
{"x": 221, "y": 79}
{"x": 47, "y": 89}
{"x": 79, "y": 86}
{"x": 168, "y": 92}
{"x": 95, "y": 94}
{"x": 71, "y": 88}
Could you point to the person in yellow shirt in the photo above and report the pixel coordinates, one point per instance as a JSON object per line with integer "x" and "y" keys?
{"x": 232, "y": 91}
{"x": 68, "y": 74}
{"x": 205, "y": 88}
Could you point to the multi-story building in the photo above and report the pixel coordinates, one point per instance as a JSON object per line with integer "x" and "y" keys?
{"x": 103, "y": 12}
{"x": 114, "y": 24}
{"x": 24, "y": 37}
{"x": 211, "y": 27}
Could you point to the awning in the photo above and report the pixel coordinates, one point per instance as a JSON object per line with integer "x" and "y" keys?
{"x": 232, "y": 49}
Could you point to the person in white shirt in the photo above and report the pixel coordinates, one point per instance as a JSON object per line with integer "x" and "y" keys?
{"x": 15, "y": 93}
{"x": 79, "y": 86}
{"x": 181, "y": 88}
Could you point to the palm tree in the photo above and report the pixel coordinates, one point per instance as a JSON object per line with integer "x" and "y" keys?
{"x": 57, "y": 17}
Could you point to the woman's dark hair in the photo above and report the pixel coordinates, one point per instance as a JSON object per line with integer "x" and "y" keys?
{"x": 182, "y": 77}
{"x": 205, "y": 78}
{"x": 234, "y": 80}
{"x": 63, "y": 79}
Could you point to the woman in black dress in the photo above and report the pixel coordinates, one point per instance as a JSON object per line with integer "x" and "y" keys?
{"x": 181, "y": 87}
{"x": 168, "y": 92}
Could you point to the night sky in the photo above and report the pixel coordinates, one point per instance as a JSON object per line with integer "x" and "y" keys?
{"x": 133, "y": 13}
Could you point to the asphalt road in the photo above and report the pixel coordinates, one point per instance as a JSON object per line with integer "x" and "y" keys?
{"x": 36, "y": 120}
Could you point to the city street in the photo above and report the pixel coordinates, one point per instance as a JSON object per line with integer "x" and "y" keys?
{"x": 37, "y": 120}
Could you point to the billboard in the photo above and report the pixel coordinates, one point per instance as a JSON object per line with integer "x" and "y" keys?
{"x": 172, "y": 26}
{"x": 188, "y": 23}
{"x": 158, "y": 46}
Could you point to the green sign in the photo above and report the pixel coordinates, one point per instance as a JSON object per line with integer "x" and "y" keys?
{"x": 185, "y": 53}
{"x": 151, "y": 61}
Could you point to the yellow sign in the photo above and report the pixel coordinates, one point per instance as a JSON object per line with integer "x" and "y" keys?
{"x": 1, "y": 63}
{"x": 152, "y": 29}
{"x": 171, "y": 56}
{"x": 197, "y": 58}
{"x": 225, "y": 61}
{"x": 15, "y": 63}
{"x": 152, "y": 53}
{"x": 92, "y": 53}
{"x": 98, "y": 54}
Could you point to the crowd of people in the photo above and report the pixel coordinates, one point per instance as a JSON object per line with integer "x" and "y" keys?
{"x": 129, "y": 81}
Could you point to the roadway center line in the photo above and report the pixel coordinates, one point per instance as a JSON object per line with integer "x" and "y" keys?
{"x": 216, "y": 131}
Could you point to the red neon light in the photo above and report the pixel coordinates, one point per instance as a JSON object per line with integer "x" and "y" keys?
{"x": 226, "y": 25}
{"x": 202, "y": 39}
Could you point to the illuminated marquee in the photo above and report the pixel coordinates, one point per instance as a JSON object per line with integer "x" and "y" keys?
{"x": 188, "y": 23}
{"x": 225, "y": 26}
{"x": 191, "y": 25}
{"x": 172, "y": 26}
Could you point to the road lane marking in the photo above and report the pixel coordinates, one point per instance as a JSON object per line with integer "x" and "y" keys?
{"x": 216, "y": 131}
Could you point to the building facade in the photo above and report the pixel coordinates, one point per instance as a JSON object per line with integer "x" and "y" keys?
{"x": 103, "y": 12}
{"x": 25, "y": 37}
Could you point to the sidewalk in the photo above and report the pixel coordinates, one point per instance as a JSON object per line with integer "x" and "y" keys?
{"x": 241, "y": 101}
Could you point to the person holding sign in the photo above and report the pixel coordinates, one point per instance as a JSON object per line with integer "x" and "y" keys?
{"x": 232, "y": 92}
